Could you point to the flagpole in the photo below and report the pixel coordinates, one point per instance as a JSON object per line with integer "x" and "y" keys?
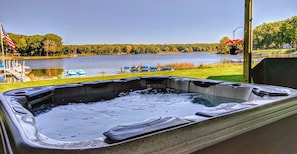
{"x": 2, "y": 49}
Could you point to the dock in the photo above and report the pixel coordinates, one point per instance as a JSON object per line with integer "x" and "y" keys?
{"x": 15, "y": 69}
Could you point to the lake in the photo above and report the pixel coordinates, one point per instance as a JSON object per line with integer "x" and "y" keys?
{"x": 111, "y": 64}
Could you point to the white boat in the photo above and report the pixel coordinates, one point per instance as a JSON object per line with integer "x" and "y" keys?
{"x": 71, "y": 72}
{"x": 22, "y": 68}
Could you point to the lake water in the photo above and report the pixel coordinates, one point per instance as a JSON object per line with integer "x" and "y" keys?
{"x": 111, "y": 64}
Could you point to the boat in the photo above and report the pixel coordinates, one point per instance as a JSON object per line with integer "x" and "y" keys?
{"x": 80, "y": 72}
{"x": 144, "y": 69}
{"x": 139, "y": 68}
{"x": 126, "y": 69}
{"x": 21, "y": 68}
{"x": 153, "y": 68}
{"x": 167, "y": 69}
{"x": 73, "y": 73}
{"x": 134, "y": 69}
{"x": 70, "y": 72}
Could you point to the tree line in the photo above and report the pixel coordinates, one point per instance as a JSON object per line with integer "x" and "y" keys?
{"x": 108, "y": 49}
{"x": 265, "y": 36}
{"x": 52, "y": 45}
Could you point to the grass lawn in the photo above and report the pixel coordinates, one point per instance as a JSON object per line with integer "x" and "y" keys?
{"x": 225, "y": 72}
{"x": 274, "y": 51}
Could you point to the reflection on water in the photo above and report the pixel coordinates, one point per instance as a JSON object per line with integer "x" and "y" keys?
{"x": 47, "y": 72}
{"x": 37, "y": 74}
{"x": 10, "y": 79}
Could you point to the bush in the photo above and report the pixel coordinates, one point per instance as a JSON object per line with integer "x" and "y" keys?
{"x": 178, "y": 66}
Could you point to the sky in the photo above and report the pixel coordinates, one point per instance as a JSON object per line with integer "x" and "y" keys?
{"x": 138, "y": 21}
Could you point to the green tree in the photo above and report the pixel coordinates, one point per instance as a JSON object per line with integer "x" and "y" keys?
{"x": 117, "y": 50}
{"x": 19, "y": 42}
{"x": 275, "y": 34}
{"x": 35, "y": 44}
{"x": 166, "y": 49}
{"x": 22, "y": 43}
{"x": 289, "y": 31}
{"x": 55, "y": 41}
{"x": 49, "y": 46}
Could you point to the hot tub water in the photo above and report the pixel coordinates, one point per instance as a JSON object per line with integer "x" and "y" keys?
{"x": 84, "y": 121}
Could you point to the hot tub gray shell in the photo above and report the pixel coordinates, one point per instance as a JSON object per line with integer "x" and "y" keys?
{"x": 211, "y": 135}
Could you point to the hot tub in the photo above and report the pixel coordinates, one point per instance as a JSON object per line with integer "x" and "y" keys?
{"x": 157, "y": 114}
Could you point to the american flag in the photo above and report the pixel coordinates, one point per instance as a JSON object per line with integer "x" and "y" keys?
{"x": 7, "y": 38}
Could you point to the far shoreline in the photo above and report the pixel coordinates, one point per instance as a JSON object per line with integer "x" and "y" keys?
{"x": 255, "y": 52}
{"x": 70, "y": 56}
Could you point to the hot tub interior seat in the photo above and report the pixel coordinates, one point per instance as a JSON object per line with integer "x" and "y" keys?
{"x": 40, "y": 99}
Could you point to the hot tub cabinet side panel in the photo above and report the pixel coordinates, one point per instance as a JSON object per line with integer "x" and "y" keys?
{"x": 277, "y": 137}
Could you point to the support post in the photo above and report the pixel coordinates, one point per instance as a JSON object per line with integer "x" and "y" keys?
{"x": 247, "y": 53}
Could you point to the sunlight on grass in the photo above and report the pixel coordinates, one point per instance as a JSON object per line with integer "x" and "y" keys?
{"x": 207, "y": 71}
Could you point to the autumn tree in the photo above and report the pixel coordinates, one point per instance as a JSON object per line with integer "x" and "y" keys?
{"x": 223, "y": 47}
{"x": 128, "y": 48}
